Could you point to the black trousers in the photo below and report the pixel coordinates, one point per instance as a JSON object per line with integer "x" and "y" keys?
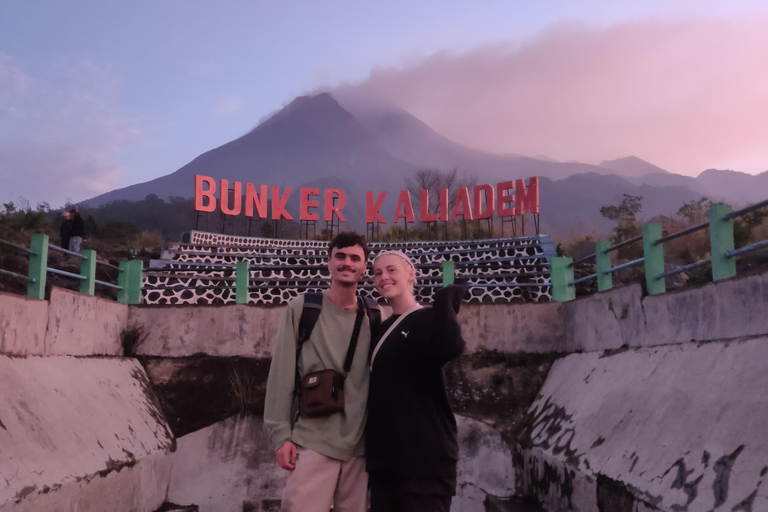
{"x": 391, "y": 493}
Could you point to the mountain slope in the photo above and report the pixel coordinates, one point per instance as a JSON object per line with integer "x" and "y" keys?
{"x": 631, "y": 166}
{"x": 311, "y": 137}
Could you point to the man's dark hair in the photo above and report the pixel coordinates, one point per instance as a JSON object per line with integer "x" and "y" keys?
{"x": 348, "y": 239}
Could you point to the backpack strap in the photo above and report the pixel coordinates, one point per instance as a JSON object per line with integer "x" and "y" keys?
{"x": 313, "y": 303}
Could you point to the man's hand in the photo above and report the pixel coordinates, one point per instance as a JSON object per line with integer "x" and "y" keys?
{"x": 286, "y": 456}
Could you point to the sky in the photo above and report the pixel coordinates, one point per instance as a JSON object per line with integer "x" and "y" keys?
{"x": 97, "y": 95}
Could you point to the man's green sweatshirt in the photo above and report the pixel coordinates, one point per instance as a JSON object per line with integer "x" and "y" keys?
{"x": 340, "y": 435}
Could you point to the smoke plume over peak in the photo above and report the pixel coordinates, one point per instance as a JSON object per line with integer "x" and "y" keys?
{"x": 686, "y": 96}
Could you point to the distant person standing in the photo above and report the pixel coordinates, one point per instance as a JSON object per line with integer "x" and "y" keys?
{"x": 65, "y": 230}
{"x": 77, "y": 232}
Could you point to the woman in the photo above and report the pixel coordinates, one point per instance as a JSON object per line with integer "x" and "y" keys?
{"x": 411, "y": 447}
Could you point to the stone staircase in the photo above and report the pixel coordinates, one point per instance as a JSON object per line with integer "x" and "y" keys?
{"x": 499, "y": 270}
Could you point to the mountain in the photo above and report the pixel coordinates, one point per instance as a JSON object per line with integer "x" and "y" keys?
{"x": 631, "y": 166}
{"x": 311, "y": 137}
{"x": 411, "y": 140}
{"x": 320, "y": 142}
{"x": 733, "y": 187}
{"x": 572, "y": 205}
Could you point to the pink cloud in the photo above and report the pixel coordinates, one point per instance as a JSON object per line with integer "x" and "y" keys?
{"x": 686, "y": 96}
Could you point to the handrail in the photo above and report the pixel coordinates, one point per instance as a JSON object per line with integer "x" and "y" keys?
{"x": 622, "y": 244}
{"x": 14, "y": 274}
{"x": 750, "y": 208}
{"x": 67, "y": 251}
{"x": 684, "y": 232}
{"x": 19, "y": 247}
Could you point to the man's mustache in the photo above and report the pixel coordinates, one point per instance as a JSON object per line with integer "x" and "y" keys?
{"x": 345, "y": 267}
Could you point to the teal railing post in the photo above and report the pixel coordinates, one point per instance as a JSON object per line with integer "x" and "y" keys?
{"x": 653, "y": 258}
{"x": 562, "y": 276}
{"x": 242, "y": 277}
{"x": 38, "y": 263}
{"x": 130, "y": 280}
{"x": 604, "y": 277}
{"x": 88, "y": 269}
{"x": 449, "y": 272}
{"x": 721, "y": 240}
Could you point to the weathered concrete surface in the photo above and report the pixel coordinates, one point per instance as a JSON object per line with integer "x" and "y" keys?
{"x": 485, "y": 466}
{"x": 239, "y": 467}
{"x": 141, "y": 488}
{"x": 80, "y": 324}
{"x": 79, "y": 433}
{"x": 236, "y": 330}
{"x": 678, "y": 427}
{"x": 603, "y": 321}
{"x": 23, "y": 323}
{"x": 728, "y": 309}
{"x": 513, "y": 327}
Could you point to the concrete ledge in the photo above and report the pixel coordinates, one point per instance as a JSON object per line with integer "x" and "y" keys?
{"x": 727, "y": 309}
{"x": 23, "y": 322}
{"x": 513, "y": 327}
{"x": 67, "y": 424}
{"x": 605, "y": 320}
{"x": 223, "y": 331}
{"x": 80, "y": 324}
{"x": 672, "y": 428}
{"x": 609, "y": 320}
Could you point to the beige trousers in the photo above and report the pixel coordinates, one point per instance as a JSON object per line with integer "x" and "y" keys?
{"x": 319, "y": 482}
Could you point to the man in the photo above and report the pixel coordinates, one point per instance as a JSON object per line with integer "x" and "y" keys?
{"x": 65, "y": 230}
{"x": 325, "y": 455}
{"x": 77, "y": 232}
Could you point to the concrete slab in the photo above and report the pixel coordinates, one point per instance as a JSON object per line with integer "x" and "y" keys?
{"x": 236, "y": 330}
{"x": 82, "y": 325}
{"x": 513, "y": 327}
{"x": 724, "y": 310}
{"x": 239, "y": 467}
{"x": 677, "y": 427}
{"x": 23, "y": 323}
{"x": 606, "y": 320}
{"x": 68, "y": 423}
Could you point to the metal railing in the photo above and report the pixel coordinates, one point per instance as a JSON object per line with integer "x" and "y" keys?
{"x": 722, "y": 259}
{"x": 128, "y": 286}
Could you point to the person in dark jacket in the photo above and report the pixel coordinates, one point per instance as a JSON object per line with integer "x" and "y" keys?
{"x": 65, "y": 230}
{"x": 78, "y": 231}
{"x": 411, "y": 438}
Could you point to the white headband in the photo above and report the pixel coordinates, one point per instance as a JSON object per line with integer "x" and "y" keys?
{"x": 401, "y": 254}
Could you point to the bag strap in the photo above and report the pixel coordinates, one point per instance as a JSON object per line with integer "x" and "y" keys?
{"x": 355, "y": 334}
{"x": 374, "y": 315}
{"x": 391, "y": 328}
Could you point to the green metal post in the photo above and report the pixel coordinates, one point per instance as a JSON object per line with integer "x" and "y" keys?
{"x": 242, "y": 277}
{"x": 653, "y": 258}
{"x": 449, "y": 272}
{"x": 562, "y": 276}
{"x": 721, "y": 240}
{"x": 130, "y": 279}
{"x": 38, "y": 265}
{"x": 88, "y": 269}
{"x": 604, "y": 277}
